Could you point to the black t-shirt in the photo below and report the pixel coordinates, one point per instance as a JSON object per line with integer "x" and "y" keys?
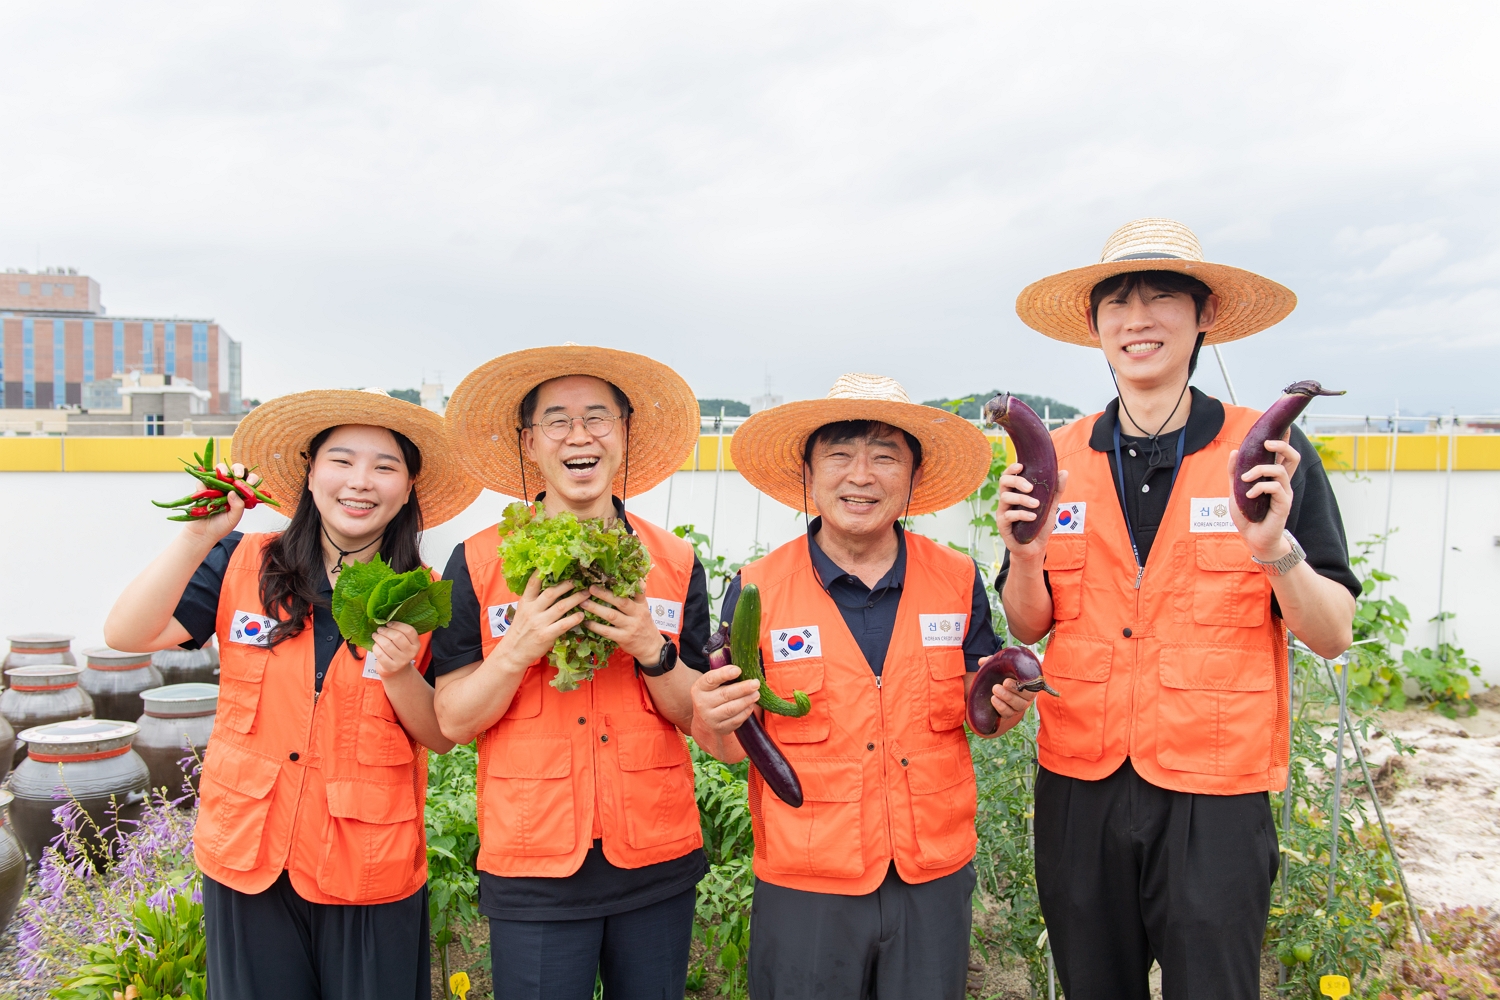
{"x": 1148, "y": 472}
{"x": 198, "y": 609}
{"x": 870, "y": 612}
{"x": 598, "y": 888}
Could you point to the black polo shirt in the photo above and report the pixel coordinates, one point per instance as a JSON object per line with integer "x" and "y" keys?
{"x": 870, "y": 612}
{"x": 598, "y": 888}
{"x": 1148, "y": 472}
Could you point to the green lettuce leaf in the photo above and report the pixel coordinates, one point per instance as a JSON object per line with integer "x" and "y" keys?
{"x": 369, "y": 595}
{"x": 594, "y": 551}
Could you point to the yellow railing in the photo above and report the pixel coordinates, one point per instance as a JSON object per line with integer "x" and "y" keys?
{"x": 100, "y": 454}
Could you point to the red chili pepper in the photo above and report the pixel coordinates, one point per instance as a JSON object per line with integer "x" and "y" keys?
{"x": 199, "y": 512}
{"x": 208, "y": 495}
{"x": 251, "y": 501}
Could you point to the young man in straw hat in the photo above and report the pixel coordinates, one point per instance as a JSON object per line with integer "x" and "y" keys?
{"x": 1168, "y": 614}
{"x": 590, "y": 846}
{"x": 863, "y": 891}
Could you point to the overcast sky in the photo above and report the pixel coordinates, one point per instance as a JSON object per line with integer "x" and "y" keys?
{"x": 368, "y": 191}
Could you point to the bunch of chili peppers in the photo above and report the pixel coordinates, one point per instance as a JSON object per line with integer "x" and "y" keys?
{"x": 218, "y": 481}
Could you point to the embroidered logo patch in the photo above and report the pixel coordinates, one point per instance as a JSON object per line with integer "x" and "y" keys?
{"x": 942, "y": 630}
{"x": 501, "y": 615}
{"x": 1070, "y": 518}
{"x": 1207, "y": 514}
{"x": 251, "y": 630}
{"x": 795, "y": 643}
{"x": 667, "y": 615}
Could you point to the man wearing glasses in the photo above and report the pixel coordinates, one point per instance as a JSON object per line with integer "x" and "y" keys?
{"x": 590, "y": 847}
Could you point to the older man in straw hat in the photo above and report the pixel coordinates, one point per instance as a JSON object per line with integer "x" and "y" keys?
{"x": 590, "y": 846}
{"x": 1168, "y": 612}
{"x": 863, "y": 891}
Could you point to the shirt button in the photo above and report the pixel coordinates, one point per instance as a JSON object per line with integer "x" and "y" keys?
{"x": 903, "y": 761}
{"x": 292, "y": 756}
{"x": 1125, "y": 633}
{"x": 580, "y": 720}
{"x": 604, "y": 738}
{"x": 1132, "y": 453}
{"x": 869, "y": 746}
{"x": 1145, "y": 487}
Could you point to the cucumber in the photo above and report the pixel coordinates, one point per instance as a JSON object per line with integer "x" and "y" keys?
{"x": 744, "y": 652}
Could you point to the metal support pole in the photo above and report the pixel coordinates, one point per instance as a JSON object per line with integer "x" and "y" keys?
{"x": 1390, "y": 493}
{"x": 713, "y": 520}
{"x": 1341, "y": 687}
{"x": 1224, "y": 370}
{"x": 1443, "y": 556}
{"x": 667, "y": 521}
{"x": 1051, "y": 976}
{"x": 1385, "y": 831}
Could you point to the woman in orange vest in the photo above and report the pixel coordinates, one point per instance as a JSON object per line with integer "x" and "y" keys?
{"x": 310, "y": 822}
{"x": 864, "y": 891}
{"x": 590, "y": 847}
{"x": 1168, "y": 614}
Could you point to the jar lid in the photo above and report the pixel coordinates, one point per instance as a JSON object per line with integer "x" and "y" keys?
{"x": 40, "y": 641}
{"x": 79, "y": 738}
{"x": 180, "y": 700}
{"x": 104, "y": 658}
{"x": 44, "y": 676}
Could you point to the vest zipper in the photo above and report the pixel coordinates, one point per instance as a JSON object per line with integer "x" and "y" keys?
{"x": 1140, "y": 571}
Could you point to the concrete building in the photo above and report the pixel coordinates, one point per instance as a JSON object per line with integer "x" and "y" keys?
{"x": 58, "y": 348}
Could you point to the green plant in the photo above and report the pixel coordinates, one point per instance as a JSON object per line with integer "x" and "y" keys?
{"x": 163, "y": 956}
{"x": 452, "y": 848}
{"x": 717, "y": 568}
{"x": 722, "y": 921}
{"x": 1442, "y": 674}
{"x": 1463, "y": 962}
{"x": 1380, "y": 623}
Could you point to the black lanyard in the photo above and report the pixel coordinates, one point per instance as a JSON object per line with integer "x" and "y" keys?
{"x": 1120, "y": 479}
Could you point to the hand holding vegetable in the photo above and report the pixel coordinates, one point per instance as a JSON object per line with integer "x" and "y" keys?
{"x": 1252, "y": 463}
{"x": 772, "y": 765}
{"x": 1015, "y": 668}
{"x": 371, "y": 594}
{"x": 1036, "y": 464}
{"x": 540, "y": 619}
{"x": 395, "y": 649}
{"x": 744, "y": 652}
{"x": 217, "y": 481}
{"x": 625, "y": 621}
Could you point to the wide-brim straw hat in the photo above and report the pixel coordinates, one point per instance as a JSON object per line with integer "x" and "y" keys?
{"x": 1248, "y": 303}
{"x": 484, "y": 415}
{"x": 768, "y": 447}
{"x": 275, "y": 437}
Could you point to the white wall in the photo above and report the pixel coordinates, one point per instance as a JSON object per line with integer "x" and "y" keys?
{"x": 72, "y": 541}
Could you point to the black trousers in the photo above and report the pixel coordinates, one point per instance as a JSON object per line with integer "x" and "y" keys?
{"x": 1127, "y": 872}
{"x": 900, "y": 942}
{"x": 640, "y": 954}
{"x": 277, "y": 944}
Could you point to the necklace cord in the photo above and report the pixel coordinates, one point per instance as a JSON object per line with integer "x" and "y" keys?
{"x": 339, "y": 566}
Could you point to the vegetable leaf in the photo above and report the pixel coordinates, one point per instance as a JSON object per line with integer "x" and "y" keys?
{"x": 369, "y": 595}
{"x": 588, "y": 552}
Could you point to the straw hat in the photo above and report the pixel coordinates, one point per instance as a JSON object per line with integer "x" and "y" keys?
{"x": 484, "y": 414}
{"x": 767, "y": 448}
{"x": 275, "y": 437}
{"x": 1059, "y": 305}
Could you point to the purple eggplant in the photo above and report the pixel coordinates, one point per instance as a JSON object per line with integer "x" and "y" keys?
{"x": 1272, "y": 426}
{"x": 1034, "y": 451}
{"x": 774, "y": 768}
{"x": 1015, "y": 662}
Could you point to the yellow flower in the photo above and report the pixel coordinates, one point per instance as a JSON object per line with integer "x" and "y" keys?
{"x": 1375, "y": 909}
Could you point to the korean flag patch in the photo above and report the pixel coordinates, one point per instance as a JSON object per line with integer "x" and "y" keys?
{"x": 251, "y": 630}
{"x": 501, "y": 615}
{"x": 1070, "y": 518}
{"x": 795, "y": 643}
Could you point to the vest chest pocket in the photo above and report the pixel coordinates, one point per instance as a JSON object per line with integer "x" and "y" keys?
{"x": 822, "y": 837}
{"x": 370, "y": 845}
{"x": 1216, "y": 711}
{"x": 799, "y": 675}
{"x": 1228, "y": 588}
{"x": 1064, "y": 568}
{"x": 528, "y": 796}
{"x": 526, "y": 703}
{"x": 656, "y": 785}
{"x": 236, "y": 791}
{"x": 242, "y": 671}
{"x": 945, "y": 689}
{"x": 944, "y": 800}
{"x": 1079, "y": 666}
{"x": 382, "y": 740}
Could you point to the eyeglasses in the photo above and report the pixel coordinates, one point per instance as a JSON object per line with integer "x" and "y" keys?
{"x": 558, "y": 427}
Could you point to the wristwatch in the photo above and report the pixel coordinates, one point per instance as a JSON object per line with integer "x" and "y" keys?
{"x": 1282, "y": 566}
{"x": 667, "y": 661}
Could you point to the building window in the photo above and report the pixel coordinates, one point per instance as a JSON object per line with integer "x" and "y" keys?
{"x": 46, "y": 290}
{"x": 59, "y": 364}
{"x": 25, "y": 288}
{"x": 119, "y": 347}
{"x": 67, "y": 291}
{"x": 169, "y": 345}
{"x": 28, "y": 364}
{"x": 148, "y": 347}
{"x": 88, "y": 351}
{"x": 156, "y": 425}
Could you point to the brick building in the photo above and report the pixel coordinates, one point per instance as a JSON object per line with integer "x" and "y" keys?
{"x": 59, "y": 349}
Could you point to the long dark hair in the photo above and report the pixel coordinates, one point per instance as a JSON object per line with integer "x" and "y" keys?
{"x": 292, "y": 570}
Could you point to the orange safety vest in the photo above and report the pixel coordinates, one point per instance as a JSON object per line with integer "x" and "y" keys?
{"x": 328, "y": 787}
{"x": 562, "y": 768}
{"x": 1185, "y": 673}
{"x": 884, "y": 762}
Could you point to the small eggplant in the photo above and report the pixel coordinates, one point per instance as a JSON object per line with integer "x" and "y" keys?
{"x": 1272, "y": 425}
{"x": 1036, "y": 454}
{"x": 774, "y": 768}
{"x": 1016, "y": 662}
